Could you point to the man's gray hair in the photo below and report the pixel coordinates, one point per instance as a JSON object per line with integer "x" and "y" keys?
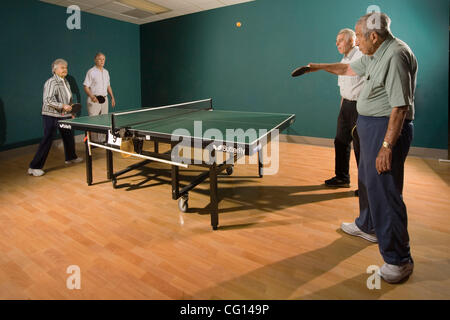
{"x": 349, "y": 34}
{"x": 57, "y": 62}
{"x": 99, "y": 54}
{"x": 375, "y": 22}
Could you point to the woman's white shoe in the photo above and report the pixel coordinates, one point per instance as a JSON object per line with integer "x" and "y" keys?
{"x": 36, "y": 172}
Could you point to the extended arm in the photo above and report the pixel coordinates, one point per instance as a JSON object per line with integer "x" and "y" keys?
{"x": 340, "y": 69}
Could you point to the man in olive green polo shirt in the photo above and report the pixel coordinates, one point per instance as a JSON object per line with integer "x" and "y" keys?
{"x": 386, "y": 110}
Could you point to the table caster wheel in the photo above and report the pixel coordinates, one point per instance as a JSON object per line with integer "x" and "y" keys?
{"x": 230, "y": 170}
{"x": 183, "y": 203}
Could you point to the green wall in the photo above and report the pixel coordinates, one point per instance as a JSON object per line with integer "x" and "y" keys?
{"x": 33, "y": 34}
{"x": 205, "y": 55}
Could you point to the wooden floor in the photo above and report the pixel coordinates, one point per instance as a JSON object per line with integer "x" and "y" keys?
{"x": 278, "y": 237}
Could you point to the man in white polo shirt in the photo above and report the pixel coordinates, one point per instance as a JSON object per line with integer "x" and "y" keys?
{"x": 350, "y": 86}
{"x": 97, "y": 86}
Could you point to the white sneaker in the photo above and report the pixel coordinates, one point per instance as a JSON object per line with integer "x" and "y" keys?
{"x": 352, "y": 229}
{"x": 395, "y": 274}
{"x": 77, "y": 160}
{"x": 36, "y": 172}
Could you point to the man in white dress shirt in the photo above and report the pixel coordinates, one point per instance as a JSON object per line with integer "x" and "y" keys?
{"x": 97, "y": 86}
{"x": 350, "y": 86}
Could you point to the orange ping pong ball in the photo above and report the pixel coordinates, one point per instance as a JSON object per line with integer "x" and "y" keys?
{"x": 238, "y": 24}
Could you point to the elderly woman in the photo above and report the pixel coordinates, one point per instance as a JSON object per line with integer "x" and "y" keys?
{"x": 56, "y": 106}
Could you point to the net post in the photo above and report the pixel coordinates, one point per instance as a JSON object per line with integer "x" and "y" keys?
{"x": 113, "y": 124}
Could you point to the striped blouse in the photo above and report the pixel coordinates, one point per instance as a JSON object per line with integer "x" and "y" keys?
{"x": 56, "y": 94}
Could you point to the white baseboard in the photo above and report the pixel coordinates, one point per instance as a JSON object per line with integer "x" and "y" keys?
{"x": 441, "y": 154}
{"x": 324, "y": 142}
{"x": 31, "y": 149}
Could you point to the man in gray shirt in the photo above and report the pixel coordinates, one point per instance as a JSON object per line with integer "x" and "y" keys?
{"x": 386, "y": 110}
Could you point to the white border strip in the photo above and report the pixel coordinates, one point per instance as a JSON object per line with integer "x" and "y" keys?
{"x": 276, "y": 127}
{"x": 139, "y": 155}
{"x": 163, "y": 107}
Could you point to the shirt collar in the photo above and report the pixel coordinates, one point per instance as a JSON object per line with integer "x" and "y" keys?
{"x": 351, "y": 53}
{"x": 380, "y": 51}
{"x": 59, "y": 78}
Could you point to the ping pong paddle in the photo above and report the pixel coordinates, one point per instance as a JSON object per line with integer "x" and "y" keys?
{"x": 300, "y": 71}
{"x": 75, "y": 108}
{"x": 101, "y": 99}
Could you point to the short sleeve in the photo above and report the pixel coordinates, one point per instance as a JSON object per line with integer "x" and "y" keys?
{"x": 399, "y": 81}
{"x": 359, "y": 66}
{"x": 88, "y": 80}
{"x": 108, "y": 79}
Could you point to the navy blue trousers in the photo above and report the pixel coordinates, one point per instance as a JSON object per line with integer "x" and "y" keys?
{"x": 50, "y": 126}
{"x": 382, "y": 210}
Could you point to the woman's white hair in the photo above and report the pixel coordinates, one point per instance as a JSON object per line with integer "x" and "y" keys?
{"x": 57, "y": 62}
{"x": 349, "y": 34}
{"x": 375, "y": 22}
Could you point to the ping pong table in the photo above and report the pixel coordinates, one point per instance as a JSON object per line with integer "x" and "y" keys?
{"x": 193, "y": 124}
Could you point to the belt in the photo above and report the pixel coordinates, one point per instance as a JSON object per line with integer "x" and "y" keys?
{"x": 349, "y": 100}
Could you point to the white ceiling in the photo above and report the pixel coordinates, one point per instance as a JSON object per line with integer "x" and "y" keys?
{"x": 114, "y": 9}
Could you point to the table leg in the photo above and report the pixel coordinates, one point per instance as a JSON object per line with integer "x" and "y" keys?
{"x": 175, "y": 182}
{"x": 109, "y": 164}
{"x": 260, "y": 162}
{"x": 214, "y": 205}
{"x": 88, "y": 161}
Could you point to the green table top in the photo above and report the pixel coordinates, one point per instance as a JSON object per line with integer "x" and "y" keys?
{"x": 196, "y": 124}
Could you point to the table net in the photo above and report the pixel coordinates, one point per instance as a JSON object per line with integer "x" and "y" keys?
{"x": 148, "y": 115}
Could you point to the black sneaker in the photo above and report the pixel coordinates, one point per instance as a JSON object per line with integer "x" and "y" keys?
{"x": 336, "y": 182}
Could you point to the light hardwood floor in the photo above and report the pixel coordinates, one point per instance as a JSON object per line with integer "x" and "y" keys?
{"x": 278, "y": 236}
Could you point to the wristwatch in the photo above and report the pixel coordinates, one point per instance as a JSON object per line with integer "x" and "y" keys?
{"x": 387, "y": 145}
